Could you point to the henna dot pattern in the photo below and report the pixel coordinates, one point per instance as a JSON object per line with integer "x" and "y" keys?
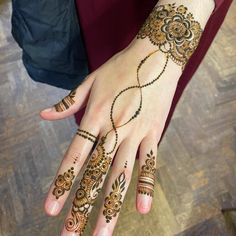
{"x": 86, "y": 135}
{"x": 176, "y": 34}
{"x": 63, "y": 183}
{"x": 75, "y": 159}
{"x": 66, "y": 102}
{"x": 146, "y": 179}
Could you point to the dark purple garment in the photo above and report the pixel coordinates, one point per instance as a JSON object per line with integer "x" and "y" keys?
{"x": 110, "y": 25}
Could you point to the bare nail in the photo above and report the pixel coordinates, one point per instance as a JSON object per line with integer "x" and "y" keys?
{"x": 48, "y": 109}
{"x": 145, "y": 203}
{"x": 53, "y": 207}
{"x": 67, "y": 233}
{"x": 103, "y": 232}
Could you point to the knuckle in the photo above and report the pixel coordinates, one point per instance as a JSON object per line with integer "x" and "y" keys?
{"x": 93, "y": 114}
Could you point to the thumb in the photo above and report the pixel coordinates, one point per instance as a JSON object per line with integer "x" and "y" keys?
{"x": 70, "y": 104}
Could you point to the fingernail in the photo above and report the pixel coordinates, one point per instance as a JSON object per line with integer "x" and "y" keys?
{"x": 103, "y": 232}
{"x": 67, "y": 233}
{"x": 145, "y": 203}
{"x": 53, "y": 207}
{"x": 48, "y": 109}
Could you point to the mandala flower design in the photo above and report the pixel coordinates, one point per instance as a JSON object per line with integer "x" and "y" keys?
{"x": 63, "y": 183}
{"x": 174, "y": 30}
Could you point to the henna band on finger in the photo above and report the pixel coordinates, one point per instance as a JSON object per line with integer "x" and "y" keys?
{"x": 86, "y": 135}
{"x": 146, "y": 179}
{"x": 66, "y": 102}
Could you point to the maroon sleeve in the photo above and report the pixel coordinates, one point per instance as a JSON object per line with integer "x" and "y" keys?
{"x": 109, "y": 26}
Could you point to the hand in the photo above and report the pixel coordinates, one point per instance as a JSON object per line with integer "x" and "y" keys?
{"x": 127, "y": 102}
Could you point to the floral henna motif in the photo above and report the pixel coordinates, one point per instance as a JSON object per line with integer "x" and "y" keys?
{"x": 63, "y": 183}
{"x": 66, "y": 102}
{"x": 89, "y": 188}
{"x": 173, "y": 30}
{"x": 147, "y": 176}
{"x": 113, "y": 201}
{"x": 177, "y": 35}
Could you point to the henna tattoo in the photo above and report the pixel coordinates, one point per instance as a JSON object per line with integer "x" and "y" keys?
{"x": 139, "y": 86}
{"x": 177, "y": 35}
{"x": 66, "y": 102}
{"x": 113, "y": 201}
{"x": 147, "y": 176}
{"x": 63, "y": 183}
{"x": 75, "y": 159}
{"x": 173, "y": 30}
{"x": 86, "y": 135}
{"x": 89, "y": 188}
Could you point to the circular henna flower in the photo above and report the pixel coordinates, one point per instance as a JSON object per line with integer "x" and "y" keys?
{"x": 177, "y": 29}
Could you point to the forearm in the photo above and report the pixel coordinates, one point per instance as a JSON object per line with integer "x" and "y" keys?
{"x": 174, "y": 28}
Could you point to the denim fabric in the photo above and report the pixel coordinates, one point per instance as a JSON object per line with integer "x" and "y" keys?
{"x": 48, "y": 32}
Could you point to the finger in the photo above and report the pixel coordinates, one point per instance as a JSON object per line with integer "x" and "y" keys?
{"x": 70, "y": 166}
{"x": 116, "y": 188}
{"x": 147, "y": 171}
{"x": 90, "y": 185}
{"x": 70, "y": 104}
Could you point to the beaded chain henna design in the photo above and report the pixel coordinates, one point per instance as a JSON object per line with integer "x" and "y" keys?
{"x": 86, "y": 135}
{"x": 177, "y": 35}
{"x": 63, "y": 183}
{"x": 147, "y": 176}
{"x": 66, "y": 102}
{"x": 113, "y": 201}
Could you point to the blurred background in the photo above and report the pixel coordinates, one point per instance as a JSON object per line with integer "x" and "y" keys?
{"x": 196, "y": 159}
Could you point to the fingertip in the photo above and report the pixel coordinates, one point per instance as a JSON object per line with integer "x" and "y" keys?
{"x": 67, "y": 233}
{"x": 144, "y": 203}
{"x": 52, "y": 207}
{"x": 46, "y": 113}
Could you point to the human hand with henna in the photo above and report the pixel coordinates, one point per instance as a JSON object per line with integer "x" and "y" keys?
{"x": 127, "y": 101}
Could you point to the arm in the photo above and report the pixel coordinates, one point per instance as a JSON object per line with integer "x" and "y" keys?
{"x": 127, "y": 102}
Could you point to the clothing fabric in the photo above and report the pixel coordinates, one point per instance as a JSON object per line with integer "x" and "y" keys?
{"x": 49, "y": 34}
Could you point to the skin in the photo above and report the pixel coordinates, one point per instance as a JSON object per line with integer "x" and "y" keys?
{"x": 97, "y": 93}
